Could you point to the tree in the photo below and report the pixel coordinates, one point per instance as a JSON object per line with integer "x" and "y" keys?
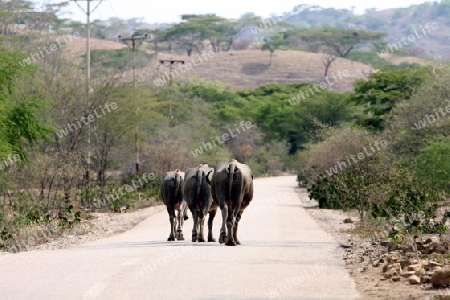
{"x": 334, "y": 42}
{"x": 18, "y": 117}
{"x": 432, "y": 165}
{"x": 194, "y": 30}
{"x": 273, "y": 43}
{"x": 383, "y": 90}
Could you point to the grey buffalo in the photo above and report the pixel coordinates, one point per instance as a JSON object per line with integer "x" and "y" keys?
{"x": 232, "y": 188}
{"x": 171, "y": 194}
{"x": 197, "y": 194}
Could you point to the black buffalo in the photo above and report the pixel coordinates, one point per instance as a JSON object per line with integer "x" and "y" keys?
{"x": 171, "y": 194}
{"x": 232, "y": 188}
{"x": 197, "y": 194}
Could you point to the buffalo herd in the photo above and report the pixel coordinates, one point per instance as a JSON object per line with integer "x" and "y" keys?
{"x": 203, "y": 189}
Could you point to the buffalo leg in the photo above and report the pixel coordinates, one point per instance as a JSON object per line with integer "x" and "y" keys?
{"x": 223, "y": 231}
{"x": 235, "y": 228}
{"x": 230, "y": 227}
{"x": 194, "y": 228}
{"x": 212, "y": 214}
{"x": 172, "y": 220}
{"x": 180, "y": 225}
{"x": 201, "y": 222}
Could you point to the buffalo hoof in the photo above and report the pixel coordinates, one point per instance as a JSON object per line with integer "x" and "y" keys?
{"x": 194, "y": 238}
{"x": 210, "y": 239}
{"x": 179, "y": 236}
{"x": 222, "y": 239}
{"x": 201, "y": 239}
{"x": 170, "y": 238}
{"x": 230, "y": 243}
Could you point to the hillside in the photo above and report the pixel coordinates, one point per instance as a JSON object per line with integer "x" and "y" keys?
{"x": 240, "y": 69}
{"x": 251, "y": 68}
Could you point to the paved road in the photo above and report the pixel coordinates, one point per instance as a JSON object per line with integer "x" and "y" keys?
{"x": 284, "y": 255}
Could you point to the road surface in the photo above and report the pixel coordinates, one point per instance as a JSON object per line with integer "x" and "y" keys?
{"x": 284, "y": 255}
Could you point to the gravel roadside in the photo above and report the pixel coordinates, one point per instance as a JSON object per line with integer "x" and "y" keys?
{"x": 99, "y": 225}
{"x": 359, "y": 253}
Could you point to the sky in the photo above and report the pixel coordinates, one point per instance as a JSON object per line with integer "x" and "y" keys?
{"x": 169, "y": 11}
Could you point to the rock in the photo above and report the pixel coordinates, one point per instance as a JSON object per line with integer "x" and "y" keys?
{"x": 388, "y": 267}
{"x": 434, "y": 264}
{"x": 404, "y": 262}
{"x": 421, "y": 272}
{"x": 441, "y": 278}
{"x": 425, "y": 279}
{"x": 408, "y": 274}
{"x": 414, "y": 279}
{"x": 428, "y": 248}
{"x": 390, "y": 273}
{"x": 348, "y": 220}
{"x": 436, "y": 269}
{"x": 395, "y": 278}
{"x": 385, "y": 243}
{"x": 415, "y": 268}
{"x": 376, "y": 263}
{"x": 441, "y": 248}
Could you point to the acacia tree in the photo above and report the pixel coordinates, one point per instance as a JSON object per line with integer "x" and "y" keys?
{"x": 194, "y": 30}
{"x": 333, "y": 42}
{"x": 276, "y": 41}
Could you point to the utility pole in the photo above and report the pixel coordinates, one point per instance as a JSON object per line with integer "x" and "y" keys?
{"x": 88, "y": 12}
{"x": 171, "y": 63}
{"x": 133, "y": 43}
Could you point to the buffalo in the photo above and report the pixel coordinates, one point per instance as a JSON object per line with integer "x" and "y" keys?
{"x": 232, "y": 188}
{"x": 197, "y": 194}
{"x": 171, "y": 194}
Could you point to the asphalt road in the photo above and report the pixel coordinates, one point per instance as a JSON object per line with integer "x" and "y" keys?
{"x": 284, "y": 255}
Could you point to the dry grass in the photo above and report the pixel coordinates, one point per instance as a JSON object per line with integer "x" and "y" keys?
{"x": 251, "y": 68}
{"x": 242, "y": 69}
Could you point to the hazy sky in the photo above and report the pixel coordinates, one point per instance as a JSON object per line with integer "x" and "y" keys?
{"x": 169, "y": 11}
